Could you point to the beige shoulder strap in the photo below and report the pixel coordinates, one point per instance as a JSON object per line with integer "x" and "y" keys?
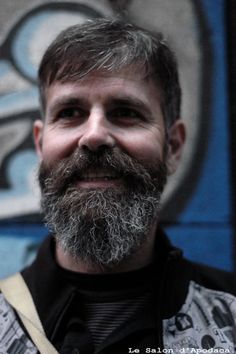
{"x": 18, "y": 296}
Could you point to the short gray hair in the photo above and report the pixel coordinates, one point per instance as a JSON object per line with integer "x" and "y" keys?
{"x": 108, "y": 45}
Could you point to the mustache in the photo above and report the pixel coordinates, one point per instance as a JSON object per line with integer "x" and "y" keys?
{"x": 67, "y": 171}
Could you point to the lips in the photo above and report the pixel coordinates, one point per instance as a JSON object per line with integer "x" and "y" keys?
{"x": 98, "y": 175}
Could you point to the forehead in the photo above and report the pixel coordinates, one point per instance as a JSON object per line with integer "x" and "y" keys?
{"x": 128, "y": 82}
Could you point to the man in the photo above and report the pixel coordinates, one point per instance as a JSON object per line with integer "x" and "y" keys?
{"x": 107, "y": 280}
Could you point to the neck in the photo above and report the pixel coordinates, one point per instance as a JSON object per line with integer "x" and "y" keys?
{"x": 141, "y": 258}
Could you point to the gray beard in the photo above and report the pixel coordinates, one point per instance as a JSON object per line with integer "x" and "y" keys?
{"x": 105, "y": 226}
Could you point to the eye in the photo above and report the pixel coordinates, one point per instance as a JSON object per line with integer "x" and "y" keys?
{"x": 71, "y": 113}
{"x": 125, "y": 114}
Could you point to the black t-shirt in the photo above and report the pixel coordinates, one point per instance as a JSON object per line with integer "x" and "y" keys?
{"x": 95, "y": 318}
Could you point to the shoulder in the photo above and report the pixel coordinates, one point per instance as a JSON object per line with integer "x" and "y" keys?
{"x": 12, "y": 334}
{"x": 206, "y": 318}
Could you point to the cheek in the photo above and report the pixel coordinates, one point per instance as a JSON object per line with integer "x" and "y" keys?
{"x": 55, "y": 146}
{"x": 145, "y": 143}
{"x": 146, "y": 149}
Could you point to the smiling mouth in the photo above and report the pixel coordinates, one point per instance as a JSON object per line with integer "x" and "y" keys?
{"x": 99, "y": 178}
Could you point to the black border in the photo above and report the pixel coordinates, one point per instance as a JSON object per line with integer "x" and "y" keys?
{"x": 230, "y": 18}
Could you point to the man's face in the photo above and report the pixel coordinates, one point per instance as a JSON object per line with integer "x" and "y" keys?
{"x": 120, "y": 111}
{"x": 104, "y": 154}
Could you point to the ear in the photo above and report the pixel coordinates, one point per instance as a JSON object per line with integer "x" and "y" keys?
{"x": 38, "y": 136}
{"x": 175, "y": 141}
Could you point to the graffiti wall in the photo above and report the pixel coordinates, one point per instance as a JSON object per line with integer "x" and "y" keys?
{"x": 196, "y": 204}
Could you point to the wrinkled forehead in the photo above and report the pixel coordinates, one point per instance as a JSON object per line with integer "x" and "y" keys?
{"x": 132, "y": 73}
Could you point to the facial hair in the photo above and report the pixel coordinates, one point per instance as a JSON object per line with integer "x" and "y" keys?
{"x": 101, "y": 226}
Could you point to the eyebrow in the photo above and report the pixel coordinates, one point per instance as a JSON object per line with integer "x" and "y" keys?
{"x": 112, "y": 101}
{"x": 66, "y": 101}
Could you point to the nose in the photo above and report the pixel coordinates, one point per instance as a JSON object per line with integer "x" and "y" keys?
{"x": 97, "y": 133}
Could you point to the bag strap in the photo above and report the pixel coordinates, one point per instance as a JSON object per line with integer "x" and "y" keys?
{"x": 18, "y": 296}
